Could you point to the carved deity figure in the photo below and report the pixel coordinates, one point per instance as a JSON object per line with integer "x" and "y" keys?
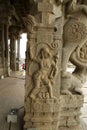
{"x": 45, "y": 75}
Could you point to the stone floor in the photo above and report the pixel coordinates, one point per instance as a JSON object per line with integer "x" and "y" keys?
{"x": 12, "y": 96}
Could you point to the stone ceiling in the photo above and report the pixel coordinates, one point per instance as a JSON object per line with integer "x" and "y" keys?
{"x": 13, "y": 12}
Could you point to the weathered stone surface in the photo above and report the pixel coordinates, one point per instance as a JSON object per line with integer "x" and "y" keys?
{"x": 71, "y": 128}
{"x": 70, "y": 112}
{"x": 76, "y": 101}
{"x": 41, "y": 103}
{"x": 33, "y": 129}
{"x": 45, "y": 7}
{"x": 48, "y": 105}
{"x": 53, "y": 96}
{"x": 43, "y": 37}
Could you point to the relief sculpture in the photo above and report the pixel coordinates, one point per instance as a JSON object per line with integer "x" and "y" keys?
{"x": 74, "y": 47}
{"x": 44, "y": 77}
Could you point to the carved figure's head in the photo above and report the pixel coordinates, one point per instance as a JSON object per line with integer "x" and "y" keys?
{"x": 44, "y": 53}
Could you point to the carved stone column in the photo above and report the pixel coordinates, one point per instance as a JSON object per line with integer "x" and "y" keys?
{"x": 4, "y": 50}
{"x": 18, "y": 53}
{"x": 2, "y": 60}
{"x": 6, "y": 11}
{"x": 41, "y": 86}
{"x": 12, "y": 52}
{"x": 14, "y": 33}
{"x": 74, "y": 50}
{"x": 7, "y": 62}
{"x": 53, "y": 97}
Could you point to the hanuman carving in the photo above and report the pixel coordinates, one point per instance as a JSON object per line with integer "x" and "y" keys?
{"x": 44, "y": 77}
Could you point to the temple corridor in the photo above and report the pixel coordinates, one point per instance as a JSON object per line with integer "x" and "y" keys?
{"x": 38, "y": 90}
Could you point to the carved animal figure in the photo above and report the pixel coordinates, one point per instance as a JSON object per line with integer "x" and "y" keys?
{"x": 72, "y": 83}
{"x": 75, "y": 37}
{"x": 75, "y": 33}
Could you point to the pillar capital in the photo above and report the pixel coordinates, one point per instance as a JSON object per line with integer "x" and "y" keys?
{"x": 15, "y": 32}
{"x": 8, "y": 10}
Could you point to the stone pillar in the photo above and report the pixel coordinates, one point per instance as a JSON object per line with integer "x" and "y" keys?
{"x": 4, "y": 51}
{"x": 2, "y": 59}
{"x": 7, "y": 62}
{"x": 5, "y": 21}
{"x": 12, "y": 52}
{"x": 73, "y": 50}
{"x": 41, "y": 86}
{"x": 18, "y": 54}
{"x": 53, "y": 96}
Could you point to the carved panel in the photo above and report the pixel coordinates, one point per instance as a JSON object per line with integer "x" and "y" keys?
{"x": 41, "y": 103}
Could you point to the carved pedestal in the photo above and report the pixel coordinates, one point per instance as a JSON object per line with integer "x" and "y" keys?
{"x": 70, "y": 112}
{"x": 43, "y": 114}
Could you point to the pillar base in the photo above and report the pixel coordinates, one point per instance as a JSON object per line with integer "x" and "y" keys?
{"x": 43, "y": 115}
{"x": 70, "y": 112}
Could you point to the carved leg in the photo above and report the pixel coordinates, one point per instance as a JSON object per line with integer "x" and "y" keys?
{"x": 78, "y": 90}
{"x": 66, "y": 85}
{"x": 66, "y": 92}
{"x": 50, "y": 90}
{"x": 36, "y": 90}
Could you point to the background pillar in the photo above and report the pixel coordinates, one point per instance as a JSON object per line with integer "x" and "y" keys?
{"x": 13, "y": 53}
{"x": 2, "y": 50}
{"x": 7, "y": 62}
{"x": 18, "y": 54}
